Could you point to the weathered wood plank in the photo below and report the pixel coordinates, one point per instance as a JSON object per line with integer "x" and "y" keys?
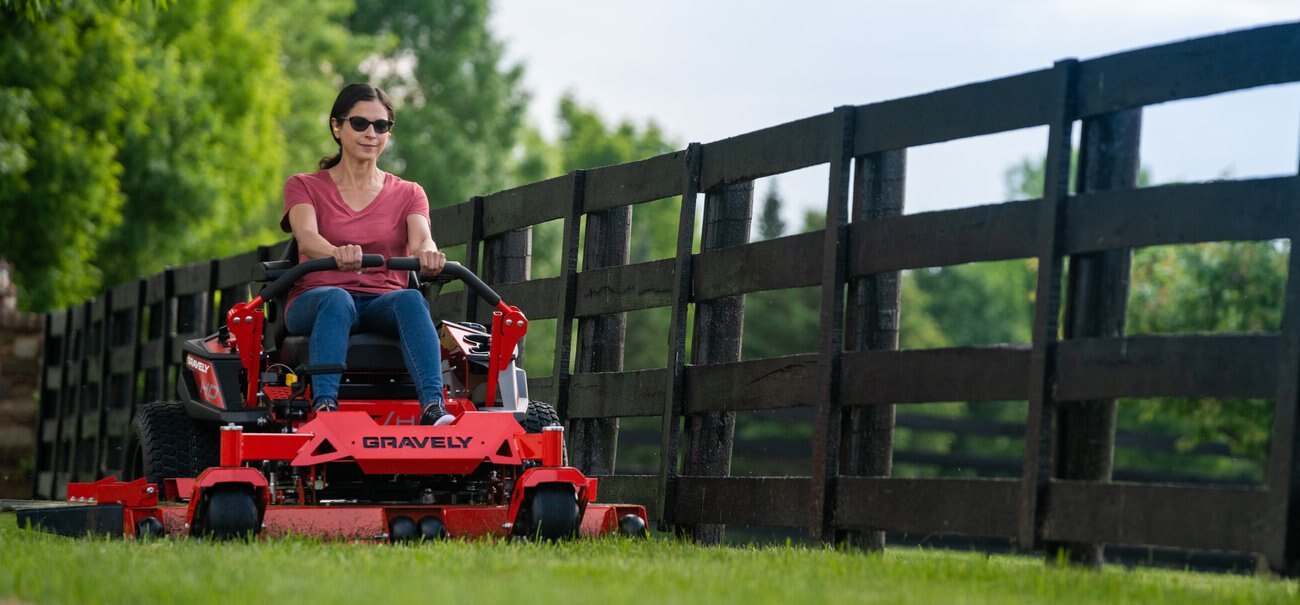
{"x": 541, "y": 389}
{"x": 1256, "y": 209}
{"x": 935, "y": 375}
{"x": 675, "y": 373}
{"x": 761, "y": 384}
{"x": 629, "y": 489}
{"x": 617, "y": 394}
{"x": 1039, "y": 438}
{"x": 1193, "y": 68}
{"x": 972, "y": 507}
{"x": 1200, "y": 518}
{"x": 829, "y": 415}
{"x": 782, "y": 148}
{"x": 237, "y": 270}
{"x": 769, "y": 501}
{"x": 560, "y": 368}
{"x": 448, "y": 307}
{"x": 452, "y": 225}
{"x": 936, "y": 239}
{"x": 766, "y": 265}
{"x": 544, "y": 297}
{"x": 530, "y": 204}
{"x": 1010, "y": 103}
{"x": 625, "y": 288}
{"x": 192, "y": 278}
{"x": 1221, "y": 365}
{"x": 634, "y": 182}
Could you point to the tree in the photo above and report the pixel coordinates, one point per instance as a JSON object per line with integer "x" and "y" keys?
{"x": 203, "y": 161}
{"x": 319, "y": 55}
{"x": 145, "y": 134}
{"x": 587, "y": 140}
{"x": 1209, "y": 287}
{"x": 459, "y": 110}
{"x": 66, "y": 77}
{"x": 770, "y": 225}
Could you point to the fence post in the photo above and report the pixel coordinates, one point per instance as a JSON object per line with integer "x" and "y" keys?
{"x": 1036, "y": 473}
{"x": 1282, "y": 475}
{"x": 728, "y": 212}
{"x": 834, "y": 262}
{"x": 54, "y": 343}
{"x": 593, "y": 442}
{"x": 872, "y": 325}
{"x": 1096, "y": 304}
{"x": 508, "y": 258}
{"x": 676, "y": 391}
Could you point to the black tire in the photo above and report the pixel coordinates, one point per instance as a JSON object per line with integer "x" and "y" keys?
{"x": 539, "y": 415}
{"x": 230, "y": 513}
{"x": 166, "y": 442}
{"x": 552, "y": 512}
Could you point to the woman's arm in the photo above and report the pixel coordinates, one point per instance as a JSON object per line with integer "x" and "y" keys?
{"x": 302, "y": 218}
{"x": 419, "y": 243}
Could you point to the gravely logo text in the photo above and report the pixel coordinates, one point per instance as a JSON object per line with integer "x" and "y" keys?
{"x": 439, "y": 443}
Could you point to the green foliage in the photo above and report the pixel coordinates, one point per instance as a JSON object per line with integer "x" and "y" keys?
{"x": 976, "y": 304}
{"x": 203, "y": 154}
{"x": 149, "y": 137}
{"x": 145, "y": 133}
{"x": 770, "y": 225}
{"x": 459, "y": 110}
{"x": 319, "y": 55}
{"x": 1213, "y": 287}
{"x": 66, "y": 83}
{"x": 587, "y": 140}
{"x": 41, "y": 568}
{"x": 781, "y": 322}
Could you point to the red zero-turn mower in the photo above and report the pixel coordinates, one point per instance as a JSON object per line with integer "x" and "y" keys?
{"x": 243, "y": 453}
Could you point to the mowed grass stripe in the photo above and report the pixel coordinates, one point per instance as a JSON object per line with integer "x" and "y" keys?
{"x": 42, "y": 568}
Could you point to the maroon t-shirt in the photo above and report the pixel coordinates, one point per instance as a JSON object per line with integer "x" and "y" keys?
{"x": 379, "y": 228}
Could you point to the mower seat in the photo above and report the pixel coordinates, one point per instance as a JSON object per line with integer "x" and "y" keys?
{"x": 367, "y": 352}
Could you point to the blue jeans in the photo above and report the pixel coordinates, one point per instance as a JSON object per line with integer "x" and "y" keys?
{"x": 329, "y": 314}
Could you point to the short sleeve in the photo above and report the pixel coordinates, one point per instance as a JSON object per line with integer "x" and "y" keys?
{"x": 419, "y": 202}
{"x": 295, "y": 193}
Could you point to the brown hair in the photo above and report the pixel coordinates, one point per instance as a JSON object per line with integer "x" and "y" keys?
{"x": 349, "y": 96}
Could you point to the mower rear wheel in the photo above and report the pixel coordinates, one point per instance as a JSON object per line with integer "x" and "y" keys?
{"x": 538, "y": 416}
{"x": 166, "y": 442}
{"x": 231, "y": 513}
{"x": 553, "y": 512}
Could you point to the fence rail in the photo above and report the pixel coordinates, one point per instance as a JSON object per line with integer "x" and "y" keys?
{"x": 106, "y": 355}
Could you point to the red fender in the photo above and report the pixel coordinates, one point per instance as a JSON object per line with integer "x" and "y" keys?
{"x": 583, "y": 486}
{"x": 218, "y": 475}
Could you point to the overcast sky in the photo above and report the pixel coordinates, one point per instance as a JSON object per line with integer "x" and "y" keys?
{"x": 706, "y": 70}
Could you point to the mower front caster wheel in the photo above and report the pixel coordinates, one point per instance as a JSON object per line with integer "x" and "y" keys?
{"x": 553, "y": 513}
{"x": 231, "y": 513}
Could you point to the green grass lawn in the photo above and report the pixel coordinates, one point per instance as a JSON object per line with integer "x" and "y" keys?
{"x": 42, "y": 568}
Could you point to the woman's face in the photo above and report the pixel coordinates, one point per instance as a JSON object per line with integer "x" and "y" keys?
{"x": 366, "y": 144}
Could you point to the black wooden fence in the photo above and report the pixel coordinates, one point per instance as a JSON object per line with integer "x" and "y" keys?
{"x": 121, "y": 348}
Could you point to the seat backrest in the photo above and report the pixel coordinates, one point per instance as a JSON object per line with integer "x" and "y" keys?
{"x": 274, "y": 337}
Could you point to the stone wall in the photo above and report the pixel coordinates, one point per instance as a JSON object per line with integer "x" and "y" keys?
{"x": 20, "y": 357}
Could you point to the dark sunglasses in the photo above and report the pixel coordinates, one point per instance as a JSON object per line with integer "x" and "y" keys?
{"x": 360, "y": 124}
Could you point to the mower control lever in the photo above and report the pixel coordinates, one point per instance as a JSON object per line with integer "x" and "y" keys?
{"x": 451, "y": 269}
{"x": 286, "y": 281}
